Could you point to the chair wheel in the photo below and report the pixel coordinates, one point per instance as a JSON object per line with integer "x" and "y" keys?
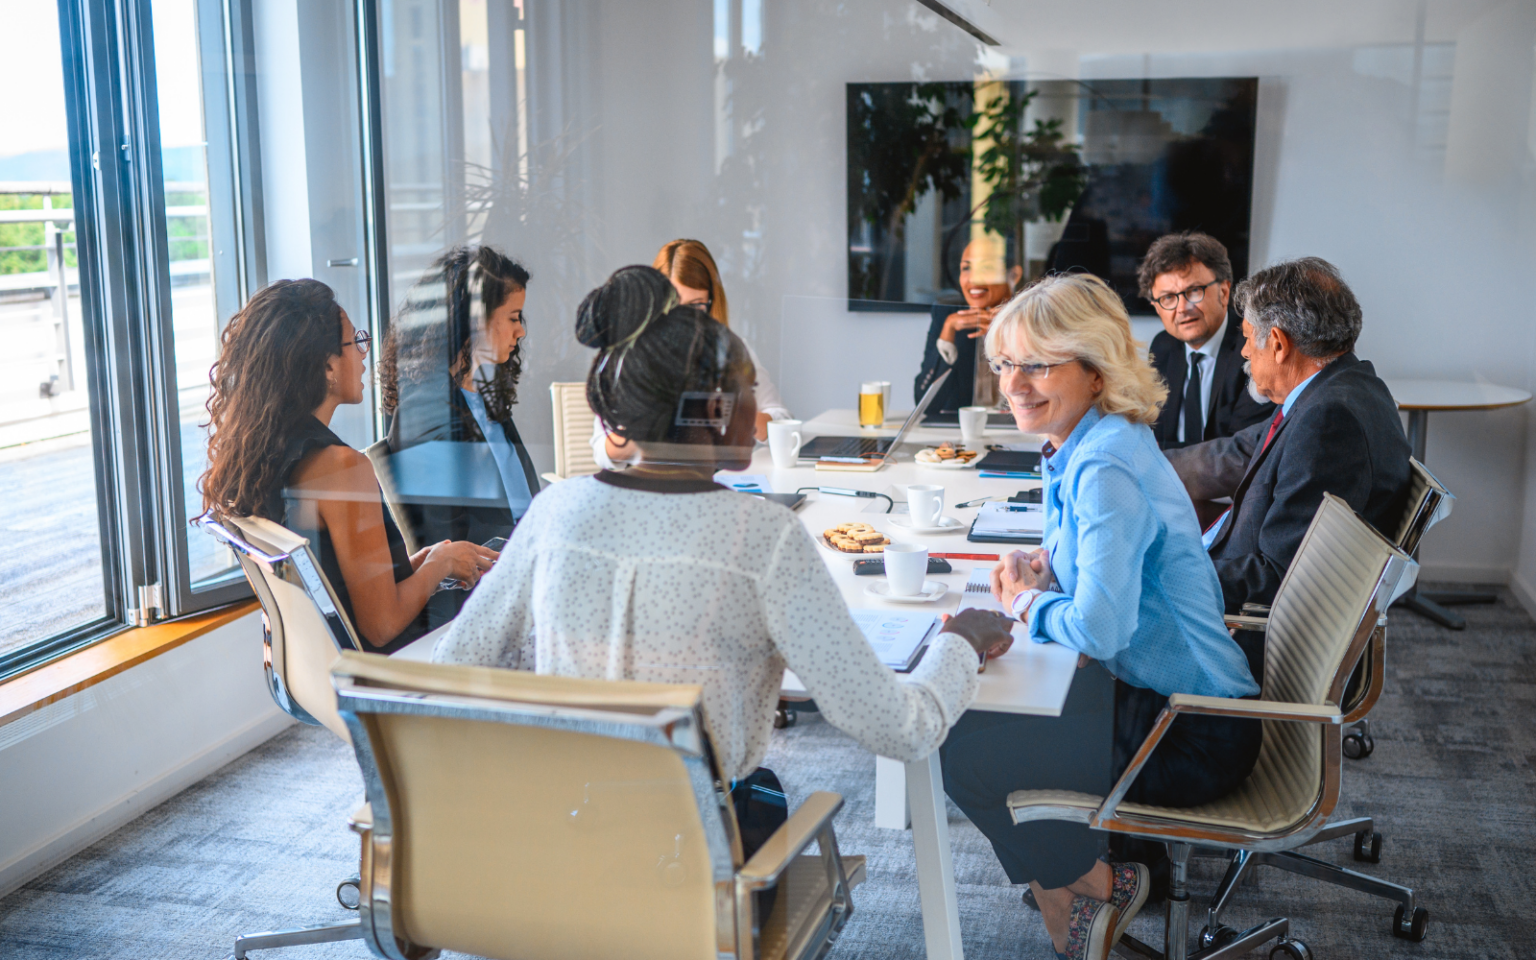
{"x": 1415, "y": 929}
{"x": 783, "y": 718}
{"x": 1222, "y": 936}
{"x": 1368, "y": 846}
{"x": 1290, "y": 950}
{"x": 1358, "y": 746}
{"x": 349, "y": 893}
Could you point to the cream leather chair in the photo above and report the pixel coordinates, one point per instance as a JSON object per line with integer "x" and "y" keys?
{"x": 1325, "y": 612}
{"x": 378, "y": 455}
{"x": 526, "y": 817}
{"x": 305, "y": 631}
{"x": 573, "y": 432}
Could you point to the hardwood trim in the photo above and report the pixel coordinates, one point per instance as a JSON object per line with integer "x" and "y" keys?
{"x": 71, "y": 673}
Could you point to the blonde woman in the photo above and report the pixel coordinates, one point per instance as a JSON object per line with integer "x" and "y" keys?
{"x": 688, "y": 264}
{"x": 1122, "y": 579}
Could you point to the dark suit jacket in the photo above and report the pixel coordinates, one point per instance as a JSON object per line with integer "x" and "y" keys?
{"x": 960, "y": 388}
{"x": 1343, "y": 436}
{"x": 1232, "y": 407}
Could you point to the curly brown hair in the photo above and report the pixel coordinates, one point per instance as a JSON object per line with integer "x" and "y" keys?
{"x": 431, "y": 337}
{"x": 270, "y": 375}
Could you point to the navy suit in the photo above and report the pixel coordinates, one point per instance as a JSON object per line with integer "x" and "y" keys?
{"x": 1342, "y": 436}
{"x": 1232, "y": 406}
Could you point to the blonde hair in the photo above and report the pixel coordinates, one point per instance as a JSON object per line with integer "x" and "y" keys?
{"x": 1077, "y": 316}
{"x": 688, "y": 262}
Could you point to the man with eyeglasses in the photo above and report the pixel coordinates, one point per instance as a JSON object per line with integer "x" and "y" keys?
{"x": 1188, "y": 279}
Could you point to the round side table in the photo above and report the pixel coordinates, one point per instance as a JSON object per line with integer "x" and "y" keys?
{"x": 1418, "y": 398}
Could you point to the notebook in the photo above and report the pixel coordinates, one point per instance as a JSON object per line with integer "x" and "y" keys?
{"x": 978, "y": 592}
{"x": 1002, "y": 522}
{"x": 1011, "y": 463}
{"x": 899, "y": 639}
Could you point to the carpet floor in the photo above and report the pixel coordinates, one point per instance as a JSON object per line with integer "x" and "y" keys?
{"x": 262, "y": 843}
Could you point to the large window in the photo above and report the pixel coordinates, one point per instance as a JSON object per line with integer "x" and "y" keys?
{"x": 121, "y": 256}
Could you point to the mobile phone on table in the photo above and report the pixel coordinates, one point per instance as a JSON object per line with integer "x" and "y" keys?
{"x": 874, "y": 566}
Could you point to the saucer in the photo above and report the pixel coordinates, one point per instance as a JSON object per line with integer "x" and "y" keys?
{"x": 946, "y": 525}
{"x": 932, "y": 590}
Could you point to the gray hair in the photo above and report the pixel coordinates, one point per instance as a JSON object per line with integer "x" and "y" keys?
{"x": 1309, "y": 300}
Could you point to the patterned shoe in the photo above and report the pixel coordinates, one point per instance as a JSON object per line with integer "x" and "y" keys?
{"x": 1090, "y": 929}
{"x": 1128, "y": 892}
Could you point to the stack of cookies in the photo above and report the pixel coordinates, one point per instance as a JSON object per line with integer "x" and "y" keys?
{"x": 856, "y": 538}
{"x": 947, "y": 452}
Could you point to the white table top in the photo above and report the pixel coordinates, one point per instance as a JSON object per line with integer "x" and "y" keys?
{"x": 1031, "y": 678}
{"x": 1454, "y": 395}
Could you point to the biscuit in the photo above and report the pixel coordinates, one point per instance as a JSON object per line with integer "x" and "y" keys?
{"x": 874, "y": 548}
{"x": 868, "y": 536}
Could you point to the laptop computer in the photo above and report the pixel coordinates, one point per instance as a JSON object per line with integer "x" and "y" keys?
{"x": 871, "y": 448}
{"x": 951, "y": 418}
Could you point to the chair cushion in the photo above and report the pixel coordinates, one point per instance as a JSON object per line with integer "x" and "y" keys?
{"x": 1280, "y": 795}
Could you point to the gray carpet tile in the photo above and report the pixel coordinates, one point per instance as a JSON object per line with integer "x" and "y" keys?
{"x": 1452, "y": 783}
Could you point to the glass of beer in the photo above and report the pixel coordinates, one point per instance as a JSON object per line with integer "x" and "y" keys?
{"x": 871, "y": 404}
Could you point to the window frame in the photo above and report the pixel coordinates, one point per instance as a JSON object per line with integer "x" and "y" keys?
{"x": 128, "y": 350}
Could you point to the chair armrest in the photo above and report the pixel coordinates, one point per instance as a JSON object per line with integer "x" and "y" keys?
{"x": 1255, "y": 610}
{"x": 780, "y": 850}
{"x": 1235, "y": 622}
{"x": 1258, "y": 709}
{"x": 361, "y": 820}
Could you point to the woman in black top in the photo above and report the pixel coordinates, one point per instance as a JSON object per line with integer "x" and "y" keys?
{"x": 449, "y": 372}
{"x": 289, "y": 359}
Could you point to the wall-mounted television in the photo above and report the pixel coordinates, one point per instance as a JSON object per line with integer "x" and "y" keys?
{"x": 1068, "y": 174}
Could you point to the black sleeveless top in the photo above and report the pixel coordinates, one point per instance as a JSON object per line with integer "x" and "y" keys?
{"x": 299, "y": 515}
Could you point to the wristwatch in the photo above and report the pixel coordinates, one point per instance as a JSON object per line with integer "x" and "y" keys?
{"x": 1023, "y": 602}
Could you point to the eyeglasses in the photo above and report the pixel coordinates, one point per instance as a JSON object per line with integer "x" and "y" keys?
{"x": 707, "y": 305}
{"x": 1030, "y": 371}
{"x": 360, "y": 339}
{"x": 1191, "y": 296}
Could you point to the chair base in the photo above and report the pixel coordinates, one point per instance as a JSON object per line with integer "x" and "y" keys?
{"x": 352, "y": 930}
{"x": 1409, "y": 920}
{"x": 1240, "y": 945}
{"x": 1432, "y": 605}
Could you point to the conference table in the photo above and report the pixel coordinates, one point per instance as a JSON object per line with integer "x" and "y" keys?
{"x": 1030, "y": 679}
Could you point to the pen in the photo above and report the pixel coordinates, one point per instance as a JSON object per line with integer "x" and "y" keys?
{"x": 973, "y": 503}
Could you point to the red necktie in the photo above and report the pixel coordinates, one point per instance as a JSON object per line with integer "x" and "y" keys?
{"x": 1273, "y": 426}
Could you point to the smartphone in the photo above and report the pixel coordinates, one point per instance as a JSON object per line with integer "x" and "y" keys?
{"x": 495, "y": 543}
{"x": 1027, "y": 496}
{"x": 874, "y": 566}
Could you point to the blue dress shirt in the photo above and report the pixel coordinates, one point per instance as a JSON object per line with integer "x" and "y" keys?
{"x": 1136, "y": 591}
{"x": 513, "y": 480}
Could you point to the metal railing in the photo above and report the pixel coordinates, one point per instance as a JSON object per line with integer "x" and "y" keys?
{"x": 55, "y": 281}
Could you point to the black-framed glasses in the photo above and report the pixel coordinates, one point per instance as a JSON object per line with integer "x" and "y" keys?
{"x": 1028, "y": 369}
{"x": 708, "y": 305}
{"x": 1191, "y": 295}
{"x": 361, "y": 340}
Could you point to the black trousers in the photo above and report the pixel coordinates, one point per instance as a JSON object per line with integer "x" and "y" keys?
{"x": 989, "y": 755}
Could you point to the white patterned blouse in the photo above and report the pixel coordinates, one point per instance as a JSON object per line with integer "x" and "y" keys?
{"x": 619, "y": 577}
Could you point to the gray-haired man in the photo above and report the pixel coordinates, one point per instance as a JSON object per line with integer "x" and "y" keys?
{"x": 1337, "y": 431}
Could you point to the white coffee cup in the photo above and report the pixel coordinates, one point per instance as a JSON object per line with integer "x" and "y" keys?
{"x": 925, "y": 504}
{"x": 973, "y": 425}
{"x": 784, "y": 442}
{"x": 906, "y": 566}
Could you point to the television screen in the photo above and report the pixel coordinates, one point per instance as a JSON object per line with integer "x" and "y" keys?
{"x": 1056, "y": 175}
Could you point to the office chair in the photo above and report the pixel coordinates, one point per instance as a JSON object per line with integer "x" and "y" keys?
{"x": 514, "y": 816}
{"x": 378, "y": 454}
{"x": 1325, "y": 612}
{"x": 573, "y": 432}
{"x": 304, "y": 630}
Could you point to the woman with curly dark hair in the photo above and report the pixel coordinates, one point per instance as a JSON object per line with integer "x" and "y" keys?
{"x": 449, "y": 372}
{"x": 289, "y": 359}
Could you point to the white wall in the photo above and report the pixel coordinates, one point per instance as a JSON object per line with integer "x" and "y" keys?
{"x": 1417, "y": 184}
{"x": 75, "y": 770}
